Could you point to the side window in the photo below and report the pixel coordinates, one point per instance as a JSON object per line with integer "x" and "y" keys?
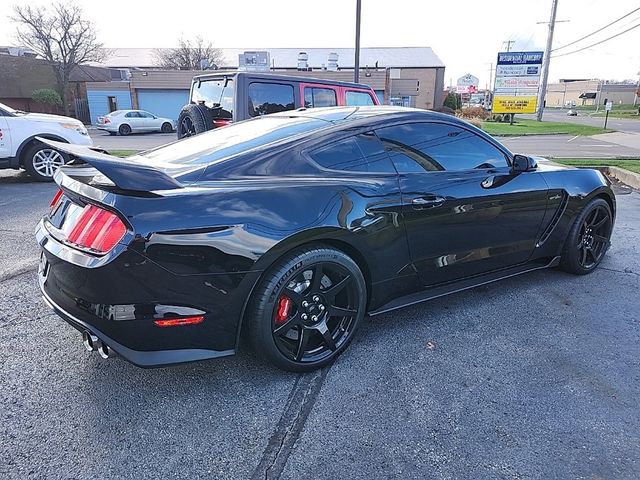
{"x": 357, "y": 99}
{"x": 361, "y": 153}
{"x": 265, "y": 98}
{"x": 132, "y": 115}
{"x": 420, "y": 147}
{"x": 319, "y": 97}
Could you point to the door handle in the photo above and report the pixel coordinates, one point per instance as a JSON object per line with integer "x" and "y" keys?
{"x": 429, "y": 201}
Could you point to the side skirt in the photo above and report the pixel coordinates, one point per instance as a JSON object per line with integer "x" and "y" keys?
{"x": 466, "y": 284}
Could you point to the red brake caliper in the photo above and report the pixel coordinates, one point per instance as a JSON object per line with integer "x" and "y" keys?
{"x": 284, "y": 306}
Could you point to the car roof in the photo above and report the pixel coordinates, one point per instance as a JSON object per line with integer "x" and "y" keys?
{"x": 345, "y": 114}
{"x": 277, "y": 76}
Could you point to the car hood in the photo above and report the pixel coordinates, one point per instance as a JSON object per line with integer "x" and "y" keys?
{"x": 45, "y": 117}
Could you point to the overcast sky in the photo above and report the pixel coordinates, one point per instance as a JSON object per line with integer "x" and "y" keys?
{"x": 465, "y": 34}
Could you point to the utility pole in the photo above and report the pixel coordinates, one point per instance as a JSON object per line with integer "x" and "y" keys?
{"x": 508, "y": 43}
{"x": 546, "y": 61}
{"x": 356, "y": 72}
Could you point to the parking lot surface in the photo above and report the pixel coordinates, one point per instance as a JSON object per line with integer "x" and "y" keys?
{"x": 534, "y": 377}
{"x": 543, "y": 145}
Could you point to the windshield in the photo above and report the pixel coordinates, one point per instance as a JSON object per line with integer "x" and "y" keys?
{"x": 219, "y": 144}
{"x": 217, "y": 92}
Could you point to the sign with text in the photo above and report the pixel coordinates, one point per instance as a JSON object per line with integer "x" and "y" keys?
{"x": 467, "y": 84}
{"x": 517, "y": 82}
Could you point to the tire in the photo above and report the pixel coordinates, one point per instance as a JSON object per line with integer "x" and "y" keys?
{"x": 42, "y": 162}
{"x": 124, "y": 129}
{"x": 588, "y": 239}
{"x": 194, "y": 119}
{"x": 307, "y": 308}
{"x": 166, "y": 127}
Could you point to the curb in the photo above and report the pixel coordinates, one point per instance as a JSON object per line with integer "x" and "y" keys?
{"x": 625, "y": 176}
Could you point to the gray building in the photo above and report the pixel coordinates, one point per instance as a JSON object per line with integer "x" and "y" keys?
{"x": 408, "y": 76}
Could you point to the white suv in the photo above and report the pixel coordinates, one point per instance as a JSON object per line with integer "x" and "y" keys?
{"x": 20, "y": 149}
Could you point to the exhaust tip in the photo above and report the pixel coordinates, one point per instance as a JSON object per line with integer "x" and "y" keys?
{"x": 103, "y": 349}
{"x": 89, "y": 341}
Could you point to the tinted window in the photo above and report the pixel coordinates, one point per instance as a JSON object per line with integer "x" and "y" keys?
{"x": 132, "y": 115}
{"x": 419, "y": 147}
{"x": 319, "y": 97}
{"x": 265, "y": 98}
{"x": 357, "y": 98}
{"x": 221, "y": 143}
{"x": 361, "y": 153}
{"x": 215, "y": 93}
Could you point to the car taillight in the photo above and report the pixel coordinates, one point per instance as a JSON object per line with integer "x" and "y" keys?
{"x": 97, "y": 230}
{"x": 106, "y": 120}
{"x": 55, "y": 201}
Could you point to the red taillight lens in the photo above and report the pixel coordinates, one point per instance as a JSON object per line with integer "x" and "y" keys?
{"x": 97, "y": 230}
{"x": 176, "y": 322}
{"x": 55, "y": 201}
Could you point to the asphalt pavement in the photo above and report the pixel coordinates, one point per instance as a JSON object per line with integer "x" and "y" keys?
{"x": 534, "y": 377}
{"x": 620, "y": 145}
{"x": 571, "y": 146}
{"x": 628, "y": 125}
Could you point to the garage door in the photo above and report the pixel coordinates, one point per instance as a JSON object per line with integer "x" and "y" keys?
{"x": 163, "y": 103}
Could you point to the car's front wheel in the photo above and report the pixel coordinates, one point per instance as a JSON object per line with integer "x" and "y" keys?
{"x": 42, "y": 162}
{"x": 588, "y": 239}
{"x": 307, "y": 308}
{"x": 166, "y": 127}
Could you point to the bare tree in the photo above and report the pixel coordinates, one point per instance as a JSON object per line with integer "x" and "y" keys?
{"x": 61, "y": 35}
{"x": 190, "y": 55}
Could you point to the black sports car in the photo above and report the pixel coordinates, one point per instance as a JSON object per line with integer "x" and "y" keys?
{"x": 290, "y": 228}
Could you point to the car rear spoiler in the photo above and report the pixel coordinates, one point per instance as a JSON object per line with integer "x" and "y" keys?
{"x": 127, "y": 175}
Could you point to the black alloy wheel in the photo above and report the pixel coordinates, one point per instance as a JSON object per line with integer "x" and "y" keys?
{"x": 194, "y": 119}
{"x": 589, "y": 238}
{"x": 166, "y": 127}
{"x": 308, "y": 308}
{"x": 124, "y": 129}
{"x": 186, "y": 128}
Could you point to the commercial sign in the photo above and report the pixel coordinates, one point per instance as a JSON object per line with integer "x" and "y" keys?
{"x": 467, "y": 84}
{"x": 517, "y": 82}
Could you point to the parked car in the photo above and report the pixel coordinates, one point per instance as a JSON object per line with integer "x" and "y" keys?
{"x": 572, "y": 113}
{"x": 221, "y": 98}
{"x": 19, "y": 147}
{"x": 125, "y": 122}
{"x": 289, "y": 228}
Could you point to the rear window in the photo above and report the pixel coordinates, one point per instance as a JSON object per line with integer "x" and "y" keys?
{"x": 215, "y": 93}
{"x": 357, "y": 99}
{"x": 319, "y": 97}
{"x": 265, "y": 98}
{"x": 219, "y": 144}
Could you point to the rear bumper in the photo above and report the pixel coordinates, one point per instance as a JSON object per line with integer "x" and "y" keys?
{"x": 118, "y": 301}
{"x": 145, "y": 359}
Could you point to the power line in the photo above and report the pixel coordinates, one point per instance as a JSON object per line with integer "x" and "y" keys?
{"x": 597, "y": 43}
{"x": 597, "y": 31}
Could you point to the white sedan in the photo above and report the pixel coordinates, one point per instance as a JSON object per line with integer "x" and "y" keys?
{"x": 124, "y": 122}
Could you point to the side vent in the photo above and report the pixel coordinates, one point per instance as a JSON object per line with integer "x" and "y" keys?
{"x": 554, "y": 221}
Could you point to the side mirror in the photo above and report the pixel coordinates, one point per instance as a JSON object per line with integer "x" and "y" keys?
{"x": 522, "y": 163}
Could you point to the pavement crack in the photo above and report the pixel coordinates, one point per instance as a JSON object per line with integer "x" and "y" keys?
{"x": 626, "y": 271}
{"x": 294, "y": 416}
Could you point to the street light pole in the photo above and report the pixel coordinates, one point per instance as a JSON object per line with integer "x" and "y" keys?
{"x": 356, "y": 72}
{"x": 546, "y": 61}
